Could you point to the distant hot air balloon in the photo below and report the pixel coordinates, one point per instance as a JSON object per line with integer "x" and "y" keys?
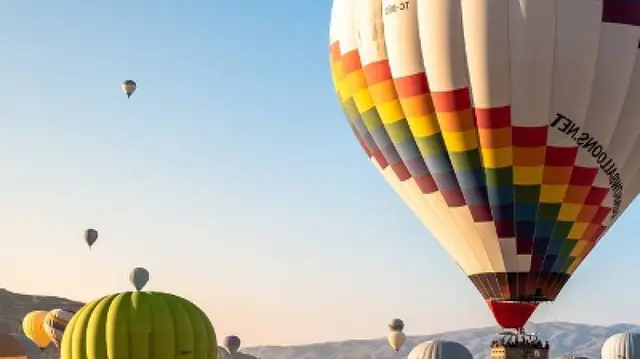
{"x": 11, "y": 347}
{"x": 33, "y": 328}
{"x": 139, "y": 278}
{"x": 139, "y": 325}
{"x": 129, "y": 87}
{"x": 622, "y": 346}
{"x": 509, "y": 128}
{"x": 232, "y": 343}
{"x": 396, "y": 339}
{"x": 440, "y": 349}
{"x": 55, "y": 323}
{"x": 90, "y": 236}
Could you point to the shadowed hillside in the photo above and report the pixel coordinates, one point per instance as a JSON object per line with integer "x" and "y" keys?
{"x": 565, "y": 338}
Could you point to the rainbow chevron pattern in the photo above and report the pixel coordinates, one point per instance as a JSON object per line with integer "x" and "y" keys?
{"x": 518, "y": 200}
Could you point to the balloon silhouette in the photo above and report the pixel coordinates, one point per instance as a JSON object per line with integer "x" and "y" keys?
{"x": 139, "y": 278}
{"x": 90, "y": 236}
{"x": 129, "y": 87}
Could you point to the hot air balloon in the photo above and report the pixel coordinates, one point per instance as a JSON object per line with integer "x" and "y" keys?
{"x": 396, "y": 337}
{"x": 33, "y": 328}
{"x": 622, "y": 346}
{"x": 232, "y": 343}
{"x": 90, "y": 236}
{"x": 55, "y": 323}
{"x": 440, "y": 349}
{"x": 139, "y": 278}
{"x": 11, "y": 348}
{"x": 139, "y": 325}
{"x": 509, "y": 128}
{"x": 129, "y": 87}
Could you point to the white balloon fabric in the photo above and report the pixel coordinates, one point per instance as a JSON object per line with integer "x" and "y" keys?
{"x": 55, "y": 323}
{"x": 440, "y": 349}
{"x": 622, "y": 345}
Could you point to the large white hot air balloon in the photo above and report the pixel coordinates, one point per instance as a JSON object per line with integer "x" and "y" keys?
{"x": 510, "y": 128}
{"x": 622, "y": 346}
{"x": 440, "y": 349}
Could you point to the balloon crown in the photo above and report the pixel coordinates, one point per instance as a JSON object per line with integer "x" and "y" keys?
{"x": 396, "y": 325}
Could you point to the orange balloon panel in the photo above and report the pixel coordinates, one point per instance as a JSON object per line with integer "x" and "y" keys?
{"x": 511, "y": 129}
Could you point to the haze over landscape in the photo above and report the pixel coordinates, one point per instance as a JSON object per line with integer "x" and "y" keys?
{"x": 234, "y": 179}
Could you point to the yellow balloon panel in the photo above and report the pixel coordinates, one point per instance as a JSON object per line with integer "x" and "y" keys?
{"x": 510, "y": 129}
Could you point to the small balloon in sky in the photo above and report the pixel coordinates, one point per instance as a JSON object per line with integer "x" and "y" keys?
{"x": 232, "y": 342}
{"x": 90, "y": 236}
{"x": 129, "y": 87}
{"x": 139, "y": 278}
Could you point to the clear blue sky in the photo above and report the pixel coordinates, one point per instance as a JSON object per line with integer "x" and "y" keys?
{"x": 231, "y": 175}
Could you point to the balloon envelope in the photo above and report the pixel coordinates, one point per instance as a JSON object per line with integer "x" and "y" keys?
{"x": 232, "y": 343}
{"x": 55, "y": 323}
{"x": 33, "y": 328}
{"x": 509, "y": 128}
{"x": 129, "y": 87}
{"x": 120, "y": 326}
{"x": 139, "y": 278}
{"x": 90, "y": 236}
{"x": 440, "y": 349}
{"x": 622, "y": 345}
{"x": 396, "y": 339}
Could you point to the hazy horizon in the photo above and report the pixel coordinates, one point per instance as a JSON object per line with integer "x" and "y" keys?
{"x": 230, "y": 175}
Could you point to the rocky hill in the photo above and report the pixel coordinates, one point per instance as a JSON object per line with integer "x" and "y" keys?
{"x": 14, "y": 306}
{"x": 565, "y": 338}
